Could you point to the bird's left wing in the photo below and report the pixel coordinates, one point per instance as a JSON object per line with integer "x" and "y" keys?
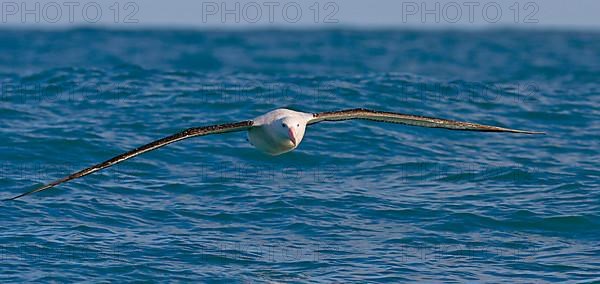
{"x": 408, "y": 119}
{"x": 188, "y": 133}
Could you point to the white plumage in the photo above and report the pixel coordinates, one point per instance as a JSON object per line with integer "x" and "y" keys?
{"x": 281, "y": 131}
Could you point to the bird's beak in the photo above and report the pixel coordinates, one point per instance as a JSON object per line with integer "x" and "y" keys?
{"x": 292, "y": 136}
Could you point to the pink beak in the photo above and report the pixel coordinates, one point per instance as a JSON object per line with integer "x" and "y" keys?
{"x": 291, "y": 135}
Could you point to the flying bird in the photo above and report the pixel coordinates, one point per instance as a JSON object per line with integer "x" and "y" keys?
{"x": 280, "y": 131}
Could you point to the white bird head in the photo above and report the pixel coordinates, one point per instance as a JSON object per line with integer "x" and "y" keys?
{"x": 291, "y": 128}
{"x": 278, "y": 131}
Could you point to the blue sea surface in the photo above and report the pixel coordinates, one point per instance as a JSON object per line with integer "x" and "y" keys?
{"x": 357, "y": 201}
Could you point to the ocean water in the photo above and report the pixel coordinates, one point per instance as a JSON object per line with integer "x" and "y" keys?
{"x": 357, "y": 201}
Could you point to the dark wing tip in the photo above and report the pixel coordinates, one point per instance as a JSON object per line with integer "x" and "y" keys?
{"x": 15, "y": 197}
{"x": 526, "y": 132}
{"x": 29, "y": 192}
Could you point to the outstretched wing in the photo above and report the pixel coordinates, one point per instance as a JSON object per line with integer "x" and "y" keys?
{"x": 188, "y": 133}
{"x": 415, "y": 120}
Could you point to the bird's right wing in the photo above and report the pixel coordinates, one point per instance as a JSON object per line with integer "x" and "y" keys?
{"x": 409, "y": 119}
{"x": 188, "y": 133}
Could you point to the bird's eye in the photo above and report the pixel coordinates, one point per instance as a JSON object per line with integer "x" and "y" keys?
{"x": 283, "y": 125}
{"x": 298, "y": 125}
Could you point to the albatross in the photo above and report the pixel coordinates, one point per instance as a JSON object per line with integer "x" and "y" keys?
{"x": 280, "y": 131}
